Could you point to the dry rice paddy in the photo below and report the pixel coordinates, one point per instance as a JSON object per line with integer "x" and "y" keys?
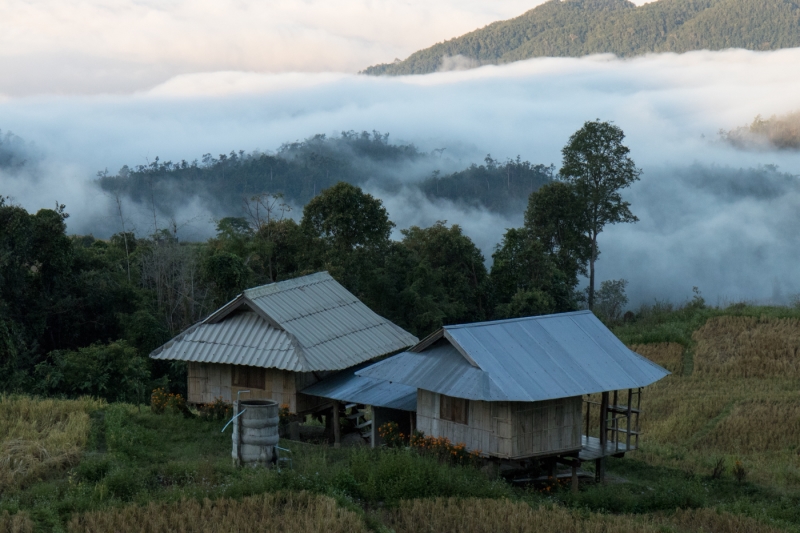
{"x": 298, "y": 512}
{"x": 742, "y": 401}
{"x": 38, "y": 436}
{"x": 667, "y": 354}
{"x": 450, "y": 515}
{"x": 18, "y": 523}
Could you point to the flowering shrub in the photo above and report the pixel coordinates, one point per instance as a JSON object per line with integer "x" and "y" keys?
{"x": 219, "y": 409}
{"x": 162, "y": 401}
{"x": 391, "y": 435}
{"x": 553, "y": 484}
{"x": 444, "y": 450}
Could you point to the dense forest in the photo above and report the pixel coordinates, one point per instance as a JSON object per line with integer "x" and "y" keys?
{"x": 300, "y": 170}
{"x": 575, "y": 28}
{"x": 80, "y": 315}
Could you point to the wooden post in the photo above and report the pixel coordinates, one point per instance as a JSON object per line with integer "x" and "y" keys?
{"x": 601, "y": 461}
{"x": 614, "y": 422}
{"x": 588, "y": 417}
{"x": 575, "y": 476}
{"x": 630, "y": 425}
{"x": 337, "y": 431}
{"x": 600, "y": 469}
{"x": 604, "y": 421}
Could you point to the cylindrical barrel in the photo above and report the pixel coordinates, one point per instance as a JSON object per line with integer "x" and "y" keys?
{"x": 255, "y": 431}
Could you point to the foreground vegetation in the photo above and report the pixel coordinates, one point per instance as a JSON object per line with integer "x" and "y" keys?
{"x": 720, "y": 453}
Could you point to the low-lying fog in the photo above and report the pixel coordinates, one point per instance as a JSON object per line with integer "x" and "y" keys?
{"x": 711, "y": 216}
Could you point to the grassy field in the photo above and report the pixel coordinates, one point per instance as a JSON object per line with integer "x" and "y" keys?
{"x": 732, "y": 405}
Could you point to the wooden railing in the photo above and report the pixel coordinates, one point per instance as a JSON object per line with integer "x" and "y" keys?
{"x": 618, "y": 423}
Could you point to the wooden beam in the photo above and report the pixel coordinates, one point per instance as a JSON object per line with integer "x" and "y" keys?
{"x": 575, "y": 477}
{"x": 337, "y": 430}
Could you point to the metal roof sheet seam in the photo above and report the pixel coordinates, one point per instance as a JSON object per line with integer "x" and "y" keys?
{"x": 523, "y": 359}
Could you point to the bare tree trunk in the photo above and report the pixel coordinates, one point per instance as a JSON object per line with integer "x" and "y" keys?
{"x": 124, "y": 233}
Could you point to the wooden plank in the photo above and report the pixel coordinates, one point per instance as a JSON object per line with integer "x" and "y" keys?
{"x": 337, "y": 429}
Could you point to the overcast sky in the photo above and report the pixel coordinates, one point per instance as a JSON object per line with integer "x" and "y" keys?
{"x": 99, "y": 46}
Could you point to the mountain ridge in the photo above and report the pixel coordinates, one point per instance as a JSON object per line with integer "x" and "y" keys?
{"x": 575, "y": 28}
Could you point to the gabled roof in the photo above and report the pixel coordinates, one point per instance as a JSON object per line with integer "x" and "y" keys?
{"x": 304, "y": 324}
{"x": 524, "y": 359}
{"x": 345, "y": 386}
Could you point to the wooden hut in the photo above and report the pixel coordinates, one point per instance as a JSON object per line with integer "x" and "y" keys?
{"x": 277, "y": 339}
{"x": 516, "y": 389}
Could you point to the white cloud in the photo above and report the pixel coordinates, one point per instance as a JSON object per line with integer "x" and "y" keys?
{"x": 697, "y": 228}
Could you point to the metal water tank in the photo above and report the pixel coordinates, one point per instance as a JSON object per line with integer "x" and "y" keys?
{"x": 255, "y": 431}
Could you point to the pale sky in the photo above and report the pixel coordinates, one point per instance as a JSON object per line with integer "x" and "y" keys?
{"x": 121, "y": 46}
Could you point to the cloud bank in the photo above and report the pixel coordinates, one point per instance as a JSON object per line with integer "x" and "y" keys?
{"x": 704, "y": 222}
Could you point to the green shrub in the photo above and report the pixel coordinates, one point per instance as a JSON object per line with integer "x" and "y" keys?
{"x": 124, "y": 483}
{"x": 93, "y": 469}
{"x": 115, "y": 372}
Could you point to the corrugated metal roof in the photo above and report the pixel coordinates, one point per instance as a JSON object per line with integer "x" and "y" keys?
{"x": 345, "y": 386}
{"x": 305, "y": 324}
{"x": 524, "y": 359}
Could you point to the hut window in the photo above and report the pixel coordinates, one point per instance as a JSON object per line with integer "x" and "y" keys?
{"x": 248, "y": 376}
{"x": 454, "y": 409}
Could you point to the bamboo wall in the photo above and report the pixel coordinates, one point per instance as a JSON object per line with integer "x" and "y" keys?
{"x": 546, "y": 427}
{"x": 507, "y": 429}
{"x": 209, "y": 381}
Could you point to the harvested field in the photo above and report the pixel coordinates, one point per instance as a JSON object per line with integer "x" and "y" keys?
{"x": 757, "y": 426}
{"x": 17, "y": 523}
{"x": 748, "y": 347}
{"x": 712, "y": 520}
{"x": 667, "y": 354}
{"x": 39, "y": 436}
{"x": 299, "y": 512}
{"x": 501, "y": 516}
{"x": 451, "y": 515}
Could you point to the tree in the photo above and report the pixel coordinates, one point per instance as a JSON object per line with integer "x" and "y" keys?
{"x": 611, "y": 299}
{"x": 347, "y": 233}
{"x": 526, "y": 279}
{"x": 344, "y": 217}
{"x": 556, "y": 218}
{"x": 597, "y": 164}
{"x": 449, "y": 271}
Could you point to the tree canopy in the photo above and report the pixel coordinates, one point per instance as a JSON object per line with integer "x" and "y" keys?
{"x": 596, "y": 164}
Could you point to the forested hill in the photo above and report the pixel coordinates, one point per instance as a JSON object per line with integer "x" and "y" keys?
{"x": 301, "y": 170}
{"x": 575, "y": 28}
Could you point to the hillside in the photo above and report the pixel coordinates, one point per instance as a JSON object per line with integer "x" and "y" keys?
{"x": 575, "y": 28}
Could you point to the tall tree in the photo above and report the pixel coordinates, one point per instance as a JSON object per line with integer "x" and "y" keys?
{"x": 597, "y": 164}
{"x": 347, "y": 233}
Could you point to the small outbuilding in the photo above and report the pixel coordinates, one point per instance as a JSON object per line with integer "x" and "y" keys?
{"x": 277, "y": 339}
{"x": 522, "y": 388}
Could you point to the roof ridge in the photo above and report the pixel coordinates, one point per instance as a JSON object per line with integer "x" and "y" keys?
{"x": 287, "y": 284}
{"x": 518, "y": 319}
